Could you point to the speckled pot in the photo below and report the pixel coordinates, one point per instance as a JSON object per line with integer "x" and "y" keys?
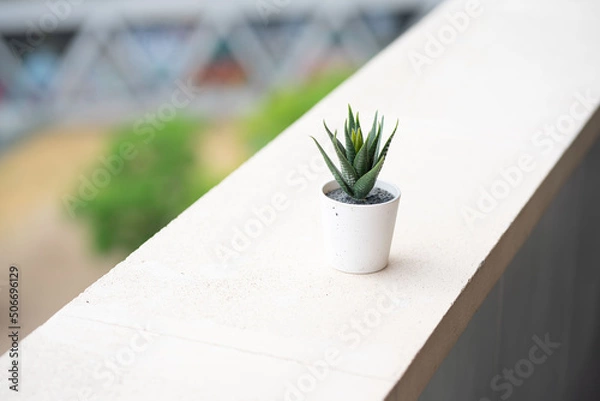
{"x": 358, "y": 237}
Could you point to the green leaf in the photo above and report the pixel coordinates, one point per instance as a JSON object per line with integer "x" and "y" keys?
{"x": 361, "y": 162}
{"x": 357, "y": 138}
{"x": 373, "y": 151}
{"x": 379, "y": 135}
{"x": 339, "y": 144}
{"x": 351, "y": 126}
{"x": 336, "y": 173}
{"x": 365, "y": 184}
{"x": 350, "y": 151}
{"x": 384, "y": 151}
{"x": 371, "y": 135}
{"x": 373, "y": 141}
{"x": 348, "y": 171}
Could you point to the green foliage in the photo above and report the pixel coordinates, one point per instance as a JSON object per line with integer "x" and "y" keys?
{"x": 284, "y": 106}
{"x": 163, "y": 178}
{"x": 155, "y": 184}
{"x": 360, "y": 161}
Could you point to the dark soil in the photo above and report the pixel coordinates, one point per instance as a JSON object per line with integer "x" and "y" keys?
{"x": 377, "y": 195}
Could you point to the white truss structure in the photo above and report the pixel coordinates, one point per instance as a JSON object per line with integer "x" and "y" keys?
{"x": 285, "y": 47}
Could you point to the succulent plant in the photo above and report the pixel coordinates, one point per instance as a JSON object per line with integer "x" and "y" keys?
{"x": 361, "y": 159}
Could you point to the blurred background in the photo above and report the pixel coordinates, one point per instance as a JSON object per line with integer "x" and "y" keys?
{"x": 117, "y": 115}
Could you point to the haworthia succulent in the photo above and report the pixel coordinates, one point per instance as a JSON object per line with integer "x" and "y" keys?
{"x": 360, "y": 160}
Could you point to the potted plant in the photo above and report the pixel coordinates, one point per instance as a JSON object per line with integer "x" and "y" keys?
{"x": 358, "y": 210}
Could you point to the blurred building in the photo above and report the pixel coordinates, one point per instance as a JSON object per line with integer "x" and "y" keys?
{"x": 107, "y": 60}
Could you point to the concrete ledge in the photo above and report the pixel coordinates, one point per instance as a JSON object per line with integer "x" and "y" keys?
{"x": 233, "y": 301}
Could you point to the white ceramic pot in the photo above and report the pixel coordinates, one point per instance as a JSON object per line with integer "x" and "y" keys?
{"x": 358, "y": 237}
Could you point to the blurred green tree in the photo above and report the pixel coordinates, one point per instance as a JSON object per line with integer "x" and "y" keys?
{"x": 284, "y": 106}
{"x": 153, "y": 187}
{"x": 165, "y": 177}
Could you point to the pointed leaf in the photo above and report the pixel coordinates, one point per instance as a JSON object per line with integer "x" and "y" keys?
{"x": 373, "y": 140}
{"x": 371, "y": 136}
{"x": 358, "y": 140}
{"x": 379, "y": 131}
{"x": 359, "y": 133}
{"x": 350, "y": 151}
{"x": 361, "y": 162}
{"x": 351, "y": 126}
{"x": 384, "y": 151}
{"x": 336, "y": 173}
{"x": 331, "y": 136}
{"x": 348, "y": 172}
{"x": 365, "y": 184}
{"x": 373, "y": 151}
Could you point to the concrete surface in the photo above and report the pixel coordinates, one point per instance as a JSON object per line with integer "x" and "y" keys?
{"x": 549, "y": 288}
